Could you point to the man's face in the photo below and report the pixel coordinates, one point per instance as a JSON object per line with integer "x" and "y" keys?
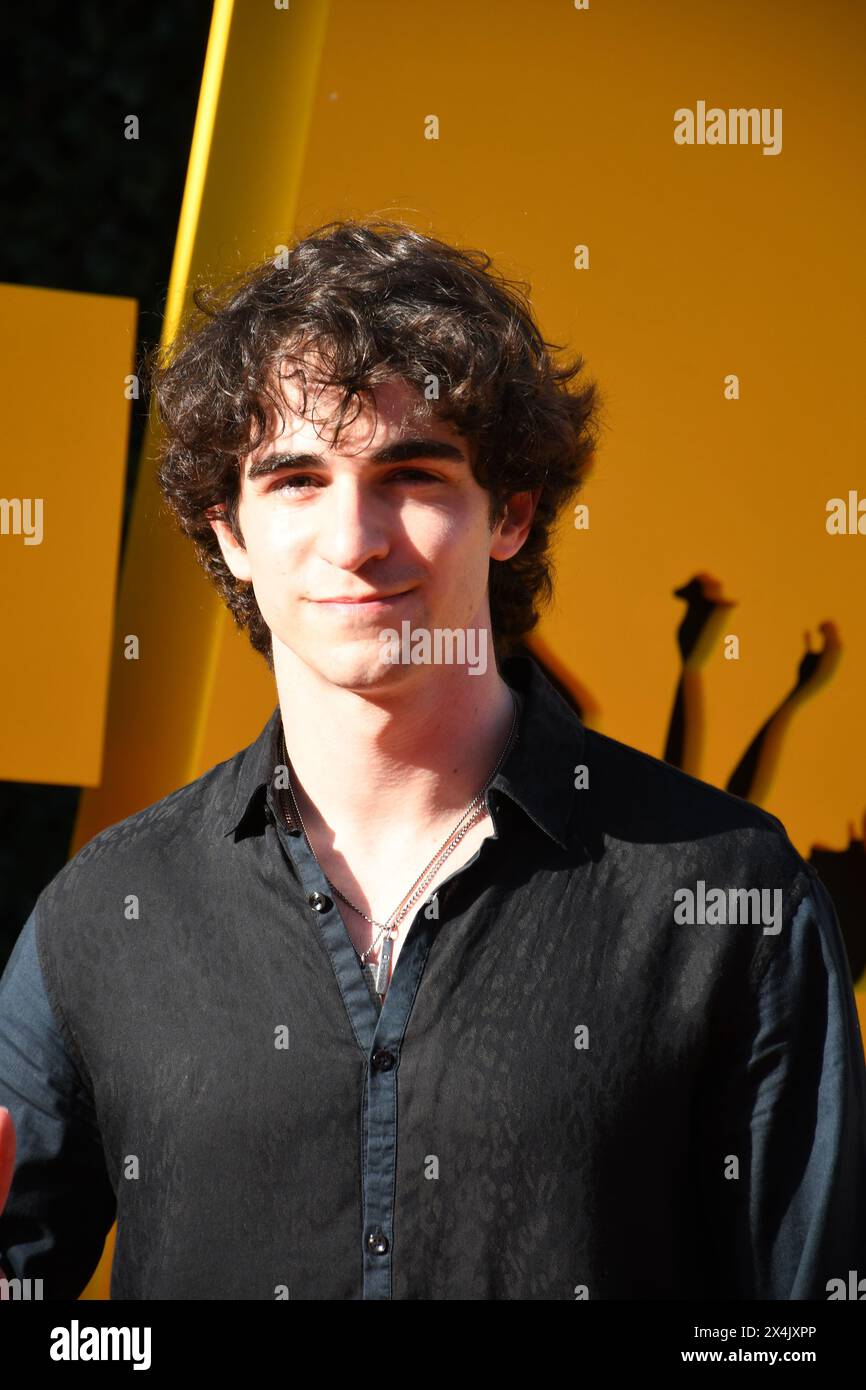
{"x": 394, "y": 518}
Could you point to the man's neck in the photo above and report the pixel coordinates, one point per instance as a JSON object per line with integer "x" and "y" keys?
{"x": 390, "y": 765}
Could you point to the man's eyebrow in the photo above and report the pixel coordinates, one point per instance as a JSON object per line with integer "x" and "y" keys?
{"x": 399, "y": 451}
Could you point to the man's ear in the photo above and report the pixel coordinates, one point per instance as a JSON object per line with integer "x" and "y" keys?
{"x": 233, "y": 551}
{"x": 514, "y": 526}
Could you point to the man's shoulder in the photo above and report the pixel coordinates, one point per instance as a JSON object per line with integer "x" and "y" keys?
{"x": 638, "y": 799}
{"x": 179, "y": 826}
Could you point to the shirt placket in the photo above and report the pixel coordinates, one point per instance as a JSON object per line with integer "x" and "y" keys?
{"x": 379, "y": 1036}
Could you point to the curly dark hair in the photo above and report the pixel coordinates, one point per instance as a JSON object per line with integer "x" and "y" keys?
{"x": 374, "y": 301}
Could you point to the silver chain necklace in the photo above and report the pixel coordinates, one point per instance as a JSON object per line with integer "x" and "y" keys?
{"x": 379, "y": 973}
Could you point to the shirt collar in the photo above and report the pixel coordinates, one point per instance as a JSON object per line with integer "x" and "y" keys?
{"x": 538, "y": 773}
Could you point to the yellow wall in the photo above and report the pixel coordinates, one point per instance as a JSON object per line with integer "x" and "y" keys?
{"x": 66, "y": 378}
{"x": 556, "y": 129}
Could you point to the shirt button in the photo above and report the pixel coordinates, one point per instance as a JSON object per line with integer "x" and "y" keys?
{"x": 377, "y": 1242}
{"x": 320, "y": 902}
{"x": 383, "y": 1060}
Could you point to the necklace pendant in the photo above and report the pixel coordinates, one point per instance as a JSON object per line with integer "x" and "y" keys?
{"x": 370, "y": 970}
{"x": 382, "y": 971}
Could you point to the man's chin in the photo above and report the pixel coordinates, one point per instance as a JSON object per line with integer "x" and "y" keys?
{"x": 355, "y": 666}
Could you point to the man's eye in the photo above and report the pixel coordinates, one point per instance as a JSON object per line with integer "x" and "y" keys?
{"x": 293, "y": 481}
{"x": 290, "y": 482}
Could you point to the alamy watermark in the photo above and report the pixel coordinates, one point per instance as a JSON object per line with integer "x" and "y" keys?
{"x": 438, "y": 646}
{"x": 854, "y": 1287}
{"x": 77, "y": 1343}
{"x": 729, "y": 907}
{"x": 22, "y": 516}
{"x": 737, "y": 126}
{"x": 20, "y": 1290}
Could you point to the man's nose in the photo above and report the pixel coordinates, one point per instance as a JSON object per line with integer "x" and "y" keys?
{"x": 353, "y": 525}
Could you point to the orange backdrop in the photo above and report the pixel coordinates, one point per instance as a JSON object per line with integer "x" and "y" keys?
{"x": 554, "y": 130}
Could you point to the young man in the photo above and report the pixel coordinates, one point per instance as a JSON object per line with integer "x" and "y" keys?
{"x": 432, "y": 993}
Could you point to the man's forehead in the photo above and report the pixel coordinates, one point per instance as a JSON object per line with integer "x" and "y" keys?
{"x": 399, "y": 410}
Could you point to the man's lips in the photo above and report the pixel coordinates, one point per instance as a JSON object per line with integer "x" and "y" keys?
{"x": 364, "y": 599}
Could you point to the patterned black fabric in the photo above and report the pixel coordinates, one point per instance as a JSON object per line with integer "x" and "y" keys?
{"x": 571, "y": 1091}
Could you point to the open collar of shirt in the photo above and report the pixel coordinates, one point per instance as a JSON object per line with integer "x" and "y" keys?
{"x": 538, "y": 774}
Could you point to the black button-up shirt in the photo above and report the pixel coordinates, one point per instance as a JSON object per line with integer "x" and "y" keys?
{"x": 590, "y": 1077}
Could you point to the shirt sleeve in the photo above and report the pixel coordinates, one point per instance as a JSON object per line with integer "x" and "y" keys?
{"x": 788, "y": 1102}
{"x": 61, "y": 1204}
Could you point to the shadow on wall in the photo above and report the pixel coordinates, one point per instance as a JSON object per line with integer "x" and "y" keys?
{"x": 842, "y": 871}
